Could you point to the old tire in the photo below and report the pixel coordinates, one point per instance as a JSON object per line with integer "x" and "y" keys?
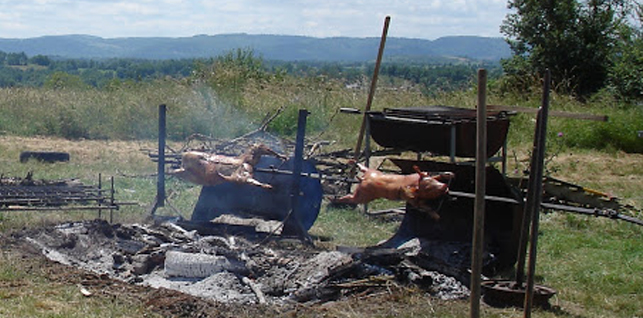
{"x": 44, "y": 156}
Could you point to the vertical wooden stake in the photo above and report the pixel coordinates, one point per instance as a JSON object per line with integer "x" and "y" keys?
{"x": 371, "y": 92}
{"x": 536, "y": 198}
{"x": 478, "y": 227}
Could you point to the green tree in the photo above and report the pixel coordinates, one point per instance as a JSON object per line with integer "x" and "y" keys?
{"x": 229, "y": 73}
{"x": 40, "y": 60}
{"x": 574, "y": 39}
{"x": 626, "y": 76}
{"x": 59, "y": 80}
{"x": 17, "y": 58}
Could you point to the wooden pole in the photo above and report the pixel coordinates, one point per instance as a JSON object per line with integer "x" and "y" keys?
{"x": 371, "y": 92}
{"x": 539, "y": 153}
{"x": 478, "y": 227}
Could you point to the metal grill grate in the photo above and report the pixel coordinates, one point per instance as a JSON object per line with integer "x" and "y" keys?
{"x": 27, "y": 194}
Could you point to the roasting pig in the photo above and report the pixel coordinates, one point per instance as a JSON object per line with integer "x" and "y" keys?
{"x": 208, "y": 169}
{"x": 414, "y": 188}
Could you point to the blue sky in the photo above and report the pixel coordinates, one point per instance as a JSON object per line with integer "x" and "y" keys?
{"x": 426, "y": 19}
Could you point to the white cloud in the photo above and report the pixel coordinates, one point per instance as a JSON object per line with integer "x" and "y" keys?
{"x": 360, "y": 18}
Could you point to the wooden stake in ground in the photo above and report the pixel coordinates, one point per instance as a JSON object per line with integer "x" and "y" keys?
{"x": 537, "y": 167}
{"x": 371, "y": 92}
{"x": 478, "y": 220}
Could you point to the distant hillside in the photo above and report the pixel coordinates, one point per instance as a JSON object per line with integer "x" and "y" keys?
{"x": 270, "y": 47}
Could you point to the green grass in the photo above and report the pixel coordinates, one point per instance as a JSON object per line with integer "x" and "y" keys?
{"x": 593, "y": 263}
{"x": 351, "y": 227}
{"x": 27, "y": 290}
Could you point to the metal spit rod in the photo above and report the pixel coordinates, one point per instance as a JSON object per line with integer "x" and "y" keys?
{"x": 307, "y": 175}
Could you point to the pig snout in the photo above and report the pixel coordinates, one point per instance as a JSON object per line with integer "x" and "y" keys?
{"x": 430, "y": 188}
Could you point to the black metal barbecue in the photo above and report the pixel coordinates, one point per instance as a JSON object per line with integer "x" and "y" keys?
{"x": 442, "y": 130}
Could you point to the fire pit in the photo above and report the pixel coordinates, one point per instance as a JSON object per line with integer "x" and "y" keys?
{"x": 234, "y": 269}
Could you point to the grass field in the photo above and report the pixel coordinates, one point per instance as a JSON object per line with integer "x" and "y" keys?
{"x": 595, "y": 264}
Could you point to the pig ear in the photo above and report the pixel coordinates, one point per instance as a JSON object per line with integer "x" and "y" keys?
{"x": 420, "y": 172}
{"x": 444, "y": 176}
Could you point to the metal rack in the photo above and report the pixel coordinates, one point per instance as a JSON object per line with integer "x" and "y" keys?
{"x": 26, "y": 195}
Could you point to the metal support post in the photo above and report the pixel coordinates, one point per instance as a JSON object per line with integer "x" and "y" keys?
{"x": 160, "y": 182}
{"x": 111, "y": 200}
{"x": 100, "y": 193}
{"x": 452, "y": 143}
{"x": 292, "y": 225}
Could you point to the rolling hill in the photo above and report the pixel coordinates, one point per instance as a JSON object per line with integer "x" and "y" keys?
{"x": 271, "y": 47}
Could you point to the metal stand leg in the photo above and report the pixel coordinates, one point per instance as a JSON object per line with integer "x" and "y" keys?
{"x": 453, "y": 143}
{"x": 160, "y": 183}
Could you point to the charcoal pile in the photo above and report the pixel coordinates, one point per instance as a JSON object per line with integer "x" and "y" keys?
{"x": 236, "y": 269}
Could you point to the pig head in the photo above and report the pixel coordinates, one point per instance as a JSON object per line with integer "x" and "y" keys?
{"x": 414, "y": 188}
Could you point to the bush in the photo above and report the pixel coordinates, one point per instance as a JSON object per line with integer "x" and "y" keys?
{"x": 618, "y": 133}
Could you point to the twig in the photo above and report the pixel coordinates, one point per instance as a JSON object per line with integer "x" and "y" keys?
{"x": 269, "y": 118}
{"x": 255, "y": 289}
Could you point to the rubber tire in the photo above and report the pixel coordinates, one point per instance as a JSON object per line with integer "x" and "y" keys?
{"x": 44, "y": 156}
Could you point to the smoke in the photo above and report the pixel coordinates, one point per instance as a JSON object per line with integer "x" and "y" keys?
{"x": 206, "y": 113}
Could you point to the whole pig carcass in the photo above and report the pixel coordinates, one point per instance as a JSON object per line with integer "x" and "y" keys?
{"x": 414, "y": 188}
{"x": 208, "y": 169}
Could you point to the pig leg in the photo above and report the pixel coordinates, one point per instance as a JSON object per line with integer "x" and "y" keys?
{"x": 255, "y": 182}
{"x": 356, "y": 197}
{"x": 424, "y": 207}
{"x": 178, "y": 171}
{"x": 432, "y": 213}
{"x": 347, "y": 199}
{"x": 244, "y": 179}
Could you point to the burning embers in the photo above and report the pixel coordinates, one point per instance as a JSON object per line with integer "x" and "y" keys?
{"x": 236, "y": 269}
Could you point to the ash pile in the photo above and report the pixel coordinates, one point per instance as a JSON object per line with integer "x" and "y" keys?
{"x": 239, "y": 269}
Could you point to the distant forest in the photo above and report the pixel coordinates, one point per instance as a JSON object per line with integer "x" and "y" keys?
{"x": 20, "y": 70}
